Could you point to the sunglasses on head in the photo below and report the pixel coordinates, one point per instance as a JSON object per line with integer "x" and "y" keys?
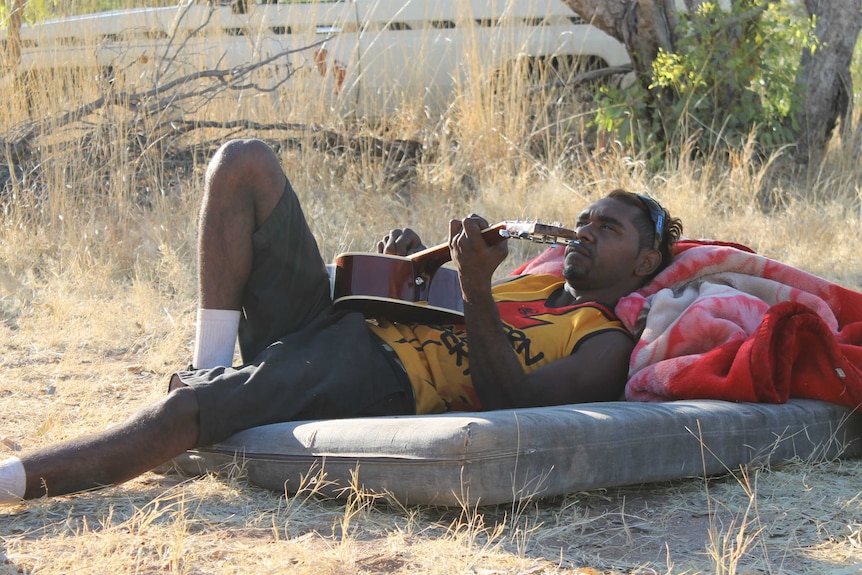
{"x": 656, "y": 214}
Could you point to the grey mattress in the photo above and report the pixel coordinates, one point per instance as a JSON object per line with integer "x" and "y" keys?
{"x": 501, "y": 456}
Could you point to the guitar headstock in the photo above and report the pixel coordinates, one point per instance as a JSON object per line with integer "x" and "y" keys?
{"x": 536, "y": 232}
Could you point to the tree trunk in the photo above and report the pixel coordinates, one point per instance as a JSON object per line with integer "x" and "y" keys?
{"x": 642, "y": 26}
{"x": 824, "y": 79}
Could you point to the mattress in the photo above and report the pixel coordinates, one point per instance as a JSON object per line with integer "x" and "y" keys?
{"x": 501, "y": 456}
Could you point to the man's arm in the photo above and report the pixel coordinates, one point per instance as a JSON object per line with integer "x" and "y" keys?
{"x": 597, "y": 371}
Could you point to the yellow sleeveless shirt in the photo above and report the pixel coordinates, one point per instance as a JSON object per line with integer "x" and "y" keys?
{"x": 437, "y": 357}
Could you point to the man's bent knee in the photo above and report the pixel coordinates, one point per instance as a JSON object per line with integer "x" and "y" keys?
{"x": 245, "y": 173}
{"x": 245, "y": 158}
{"x": 181, "y": 401}
{"x": 180, "y": 411}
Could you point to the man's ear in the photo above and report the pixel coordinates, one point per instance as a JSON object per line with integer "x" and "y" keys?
{"x": 648, "y": 261}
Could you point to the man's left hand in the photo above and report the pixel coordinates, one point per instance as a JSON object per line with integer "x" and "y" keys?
{"x": 473, "y": 257}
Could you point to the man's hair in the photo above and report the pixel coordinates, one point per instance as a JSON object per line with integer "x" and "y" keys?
{"x": 671, "y": 228}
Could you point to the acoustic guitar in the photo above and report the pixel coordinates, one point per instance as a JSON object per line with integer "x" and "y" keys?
{"x": 418, "y": 288}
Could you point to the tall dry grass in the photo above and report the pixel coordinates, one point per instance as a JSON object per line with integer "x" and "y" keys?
{"x": 97, "y": 300}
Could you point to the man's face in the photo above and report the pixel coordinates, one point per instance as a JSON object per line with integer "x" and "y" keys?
{"x": 605, "y": 257}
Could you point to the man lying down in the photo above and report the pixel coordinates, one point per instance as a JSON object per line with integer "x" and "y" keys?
{"x": 535, "y": 340}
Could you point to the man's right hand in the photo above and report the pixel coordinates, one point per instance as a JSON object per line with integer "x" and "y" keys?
{"x": 400, "y": 243}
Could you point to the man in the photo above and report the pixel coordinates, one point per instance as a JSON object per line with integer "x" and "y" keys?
{"x": 560, "y": 342}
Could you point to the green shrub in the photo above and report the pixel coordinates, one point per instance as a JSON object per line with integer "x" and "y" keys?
{"x": 731, "y": 75}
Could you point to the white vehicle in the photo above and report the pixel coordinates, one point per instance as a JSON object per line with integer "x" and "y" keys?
{"x": 365, "y": 57}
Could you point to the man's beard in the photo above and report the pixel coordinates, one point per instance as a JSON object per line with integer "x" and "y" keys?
{"x": 574, "y": 274}
{"x": 571, "y": 270}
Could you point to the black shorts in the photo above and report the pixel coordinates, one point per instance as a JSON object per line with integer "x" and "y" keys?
{"x": 302, "y": 359}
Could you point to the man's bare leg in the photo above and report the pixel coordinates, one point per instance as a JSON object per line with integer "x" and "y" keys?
{"x": 243, "y": 185}
{"x": 152, "y": 436}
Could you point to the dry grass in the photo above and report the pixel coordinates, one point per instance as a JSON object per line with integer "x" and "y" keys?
{"x": 97, "y": 301}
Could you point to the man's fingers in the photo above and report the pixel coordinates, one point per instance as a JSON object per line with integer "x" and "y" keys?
{"x": 383, "y": 245}
{"x": 482, "y": 222}
{"x": 455, "y": 227}
{"x": 403, "y": 244}
{"x": 387, "y": 244}
{"x": 473, "y": 226}
{"x": 400, "y": 242}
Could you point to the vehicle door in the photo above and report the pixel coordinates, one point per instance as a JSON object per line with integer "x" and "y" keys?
{"x": 408, "y": 52}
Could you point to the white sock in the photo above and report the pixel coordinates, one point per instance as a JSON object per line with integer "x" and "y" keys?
{"x": 215, "y": 337}
{"x": 13, "y": 481}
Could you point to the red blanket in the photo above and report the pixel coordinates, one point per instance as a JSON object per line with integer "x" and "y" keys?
{"x": 724, "y": 323}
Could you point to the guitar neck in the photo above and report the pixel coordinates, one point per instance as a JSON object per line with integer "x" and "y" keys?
{"x": 416, "y": 288}
{"x": 436, "y": 256}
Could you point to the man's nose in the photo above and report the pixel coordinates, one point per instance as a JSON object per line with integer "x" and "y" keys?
{"x": 584, "y": 233}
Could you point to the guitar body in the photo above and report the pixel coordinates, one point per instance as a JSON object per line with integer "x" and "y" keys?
{"x": 418, "y": 288}
{"x": 397, "y": 288}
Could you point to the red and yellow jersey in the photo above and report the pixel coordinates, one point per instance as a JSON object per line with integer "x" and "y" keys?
{"x": 437, "y": 357}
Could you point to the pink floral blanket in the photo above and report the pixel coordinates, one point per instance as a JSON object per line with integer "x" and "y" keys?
{"x": 722, "y": 322}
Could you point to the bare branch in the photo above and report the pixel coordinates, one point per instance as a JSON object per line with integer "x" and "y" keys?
{"x": 584, "y": 77}
{"x": 153, "y": 111}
